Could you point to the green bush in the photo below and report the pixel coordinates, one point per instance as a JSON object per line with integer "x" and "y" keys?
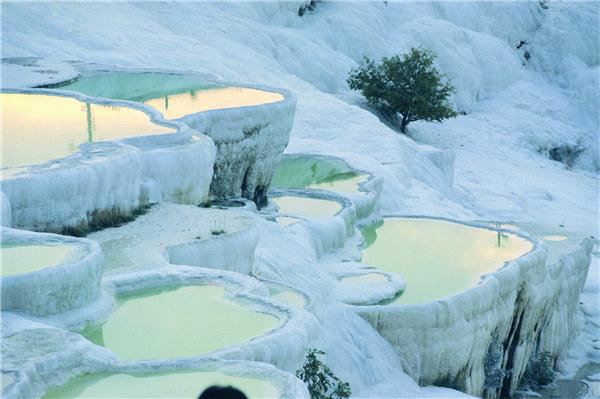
{"x": 566, "y": 153}
{"x": 492, "y": 366}
{"x": 321, "y": 381}
{"x": 409, "y": 85}
{"x": 540, "y": 369}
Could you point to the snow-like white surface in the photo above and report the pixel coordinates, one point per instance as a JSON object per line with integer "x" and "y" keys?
{"x": 485, "y": 164}
{"x": 586, "y": 348}
{"x": 249, "y": 141}
{"x": 181, "y": 234}
{"x": 21, "y": 72}
{"x": 73, "y": 283}
{"x": 311, "y": 55}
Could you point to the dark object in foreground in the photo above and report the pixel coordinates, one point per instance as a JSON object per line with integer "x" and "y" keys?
{"x": 218, "y": 392}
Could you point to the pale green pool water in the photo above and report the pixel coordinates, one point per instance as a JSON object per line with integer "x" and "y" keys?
{"x": 308, "y": 207}
{"x": 20, "y": 259}
{"x": 7, "y": 379}
{"x": 174, "y": 385}
{"x": 316, "y": 173}
{"x": 436, "y": 258}
{"x": 38, "y": 128}
{"x": 173, "y": 95}
{"x": 184, "y": 322}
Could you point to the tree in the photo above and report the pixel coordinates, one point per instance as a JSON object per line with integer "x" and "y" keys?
{"x": 322, "y": 383}
{"x": 410, "y": 86}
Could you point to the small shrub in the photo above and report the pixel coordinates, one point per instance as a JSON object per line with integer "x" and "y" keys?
{"x": 101, "y": 219}
{"x": 492, "y": 366}
{"x": 409, "y": 85}
{"x": 566, "y": 153}
{"x": 310, "y": 6}
{"x": 254, "y": 130}
{"x": 540, "y": 370}
{"x": 321, "y": 381}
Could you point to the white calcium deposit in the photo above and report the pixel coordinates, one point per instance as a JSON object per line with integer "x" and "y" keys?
{"x": 491, "y": 163}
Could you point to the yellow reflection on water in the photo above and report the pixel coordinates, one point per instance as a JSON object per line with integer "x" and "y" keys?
{"x": 37, "y": 128}
{"x": 20, "y": 259}
{"x": 179, "y": 105}
{"x": 436, "y": 258}
{"x": 173, "y": 385}
{"x": 184, "y": 322}
{"x": 309, "y": 207}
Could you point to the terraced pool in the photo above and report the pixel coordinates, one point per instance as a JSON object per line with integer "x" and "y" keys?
{"x": 437, "y": 258}
{"x": 38, "y": 128}
{"x": 163, "y": 385}
{"x": 20, "y": 259}
{"x": 184, "y": 322}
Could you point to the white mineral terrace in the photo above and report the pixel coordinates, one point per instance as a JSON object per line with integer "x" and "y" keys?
{"x": 184, "y": 296}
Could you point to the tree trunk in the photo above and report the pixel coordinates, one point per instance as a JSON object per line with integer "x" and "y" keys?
{"x": 403, "y": 124}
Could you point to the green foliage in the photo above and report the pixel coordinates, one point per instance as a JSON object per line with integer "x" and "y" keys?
{"x": 321, "y": 381}
{"x": 102, "y": 219}
{"x": 566, "y": 153}
{"x": 492, "y": 363}
{"x": 409, "y": 85}
{"x": 540, "y": 370}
